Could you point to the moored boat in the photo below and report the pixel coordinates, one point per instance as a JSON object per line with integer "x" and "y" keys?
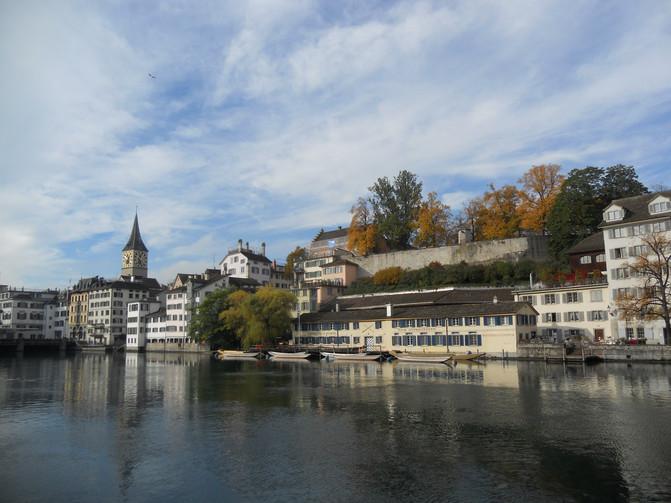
{"x": 349, "y": 356}
{"x": 230, "y": 353}
{"x": 460, "y": 357}
{"x": 421, "y": 358}
{"x": 289, "y": 356}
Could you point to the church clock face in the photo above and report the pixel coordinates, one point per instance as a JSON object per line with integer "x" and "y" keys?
{"x": 142, "y": 260}
{"x": 127, "y": 259}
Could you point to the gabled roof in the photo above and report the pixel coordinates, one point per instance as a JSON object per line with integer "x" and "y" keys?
{"x": 437, "y": 311}
{"x": 255, "y": 256}
{"x": 135, "y": 240}
{"x": 636, "y": 208}
{"x": 336, "y": 233}
{"x": 450, "y": 296}
{"x": 593, "y": 243}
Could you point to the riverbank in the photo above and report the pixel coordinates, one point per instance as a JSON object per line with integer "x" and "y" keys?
{"x": 603, "y": 352}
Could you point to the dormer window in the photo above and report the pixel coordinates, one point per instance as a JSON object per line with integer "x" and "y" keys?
{"x": 614, "y": 215}
{"x": 659, "y": 207}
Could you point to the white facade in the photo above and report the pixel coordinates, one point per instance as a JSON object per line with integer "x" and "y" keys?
{"x": 626, "y": 223}
{"x": 244, "y": 262}
{"x": 107, "y": 311}
{"x": 56, "y": 319}
{"x": 577, "y": 310}
{"x": 136, "y": 323}
{"x": 177, "y": 315}
{"x": 23, "y": 312}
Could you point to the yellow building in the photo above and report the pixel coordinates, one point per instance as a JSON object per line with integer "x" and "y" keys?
{"x": 447, "y": 320}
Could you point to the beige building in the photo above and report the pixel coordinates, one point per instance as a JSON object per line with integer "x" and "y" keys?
{"x": 454, "y": 320}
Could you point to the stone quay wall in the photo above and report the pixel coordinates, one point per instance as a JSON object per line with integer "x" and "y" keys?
{"x": 609, "y": 353}
{"x": 159, "y": 347}
{"x": 476, "y": 252}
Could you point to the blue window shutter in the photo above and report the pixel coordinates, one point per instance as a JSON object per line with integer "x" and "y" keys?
{"x": 479, "y": 339}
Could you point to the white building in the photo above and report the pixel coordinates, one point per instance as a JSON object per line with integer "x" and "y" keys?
{"x": 137, "y": 330}
{"x": 574, "y": 310}
{"x": 56, "y": 317}
{"x": 23, "y": 312}
{"x": 625, "y": 223}
{"x": 243, "y": 262}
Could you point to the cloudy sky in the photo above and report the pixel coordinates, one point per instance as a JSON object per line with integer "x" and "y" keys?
{"x": 267, "y": 119}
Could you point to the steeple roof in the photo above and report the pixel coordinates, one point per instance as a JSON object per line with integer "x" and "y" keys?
{"x": 135, "y": 240}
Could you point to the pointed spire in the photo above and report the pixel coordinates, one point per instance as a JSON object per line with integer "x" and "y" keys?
{"x": 135, "y": 240}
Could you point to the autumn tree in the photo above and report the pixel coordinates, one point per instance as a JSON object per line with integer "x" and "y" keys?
{"x": 395, "y": 207}
{"x": 362, "y": 233}
{"x": 653, "y": 300}
{"x": 539, "y": 189}
{"x": 388, "y": 276}
{"x": 499, "y": 215}
{"x": 470, "y": 217}
{"x": 297, "y": 255}
{"x": 432, "y": 222}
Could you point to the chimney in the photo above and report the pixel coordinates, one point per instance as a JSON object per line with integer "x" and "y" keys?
{"x": 495, "y": 300}
{"x": 239, "y": 245}
{"x": 246, "y": 245}
{"x": 263, "y": 249}
{"x": 337, "y": 307}
{"x": 390, "y": 310}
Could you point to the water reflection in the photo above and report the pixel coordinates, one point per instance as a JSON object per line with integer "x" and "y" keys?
{"x": 176, "y": 427}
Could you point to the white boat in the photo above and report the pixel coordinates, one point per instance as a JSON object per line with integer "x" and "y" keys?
{"x": 349, "y": 356}
{"x": 288, "y": 356}
{"x": 414, "y": 358}
{"x": 229, "y": 353}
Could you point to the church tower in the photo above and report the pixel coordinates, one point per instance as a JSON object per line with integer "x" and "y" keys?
{"x": 134, "y": 257}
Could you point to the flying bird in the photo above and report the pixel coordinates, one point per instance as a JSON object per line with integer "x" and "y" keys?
{"x": 152, "y": 76}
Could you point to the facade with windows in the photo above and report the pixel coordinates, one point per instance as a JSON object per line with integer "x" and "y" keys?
{"x": 587, "y": 258}
{"x": 437, "y": 321}
{"x": 243, "y": 262}
{"x": 568, "y": 311}
{"x": 626, "y": 223}
{"x": 25, "y": 313}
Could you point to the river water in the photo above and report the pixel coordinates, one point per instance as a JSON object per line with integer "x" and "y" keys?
{"x": 170, "y": 427}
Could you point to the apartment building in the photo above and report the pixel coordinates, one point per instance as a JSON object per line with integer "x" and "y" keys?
{"x": 244, "y": 262}
{"x": 24, "y": 313}
{"x": 572, "y": 310}
{"x": 626, "y": 223}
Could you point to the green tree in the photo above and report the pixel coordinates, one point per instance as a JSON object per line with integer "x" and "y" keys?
{"x": 205, "y": 324}
{"x": 584, "y": 195}
{"x": 258, "y": 318}
{"x": 395, "y": 208}
{"x": 297, "y": 255}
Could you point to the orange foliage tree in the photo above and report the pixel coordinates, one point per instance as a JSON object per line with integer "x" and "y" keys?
{"x": 362, "y": 233}
{"x": 540, "y": 187}
{"x": 388, "y": 276}
{"x": 432, "y": 222}
{"x": 499, "y": 214}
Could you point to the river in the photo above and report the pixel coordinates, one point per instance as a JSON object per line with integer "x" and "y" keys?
{"x": 166, "y": 427}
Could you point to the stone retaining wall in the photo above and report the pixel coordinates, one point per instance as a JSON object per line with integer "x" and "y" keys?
{"x": 478, "y": 252}
{"x": 644, "y": 353}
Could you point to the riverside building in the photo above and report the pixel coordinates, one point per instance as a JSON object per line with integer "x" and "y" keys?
{"x": 456, "y": 320}
{"x": 626, "y": 223}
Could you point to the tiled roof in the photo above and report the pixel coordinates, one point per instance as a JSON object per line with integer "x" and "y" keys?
{"x": 436, "y": 311}
{"x": 636, "y": 208}
{"x": 441, "y": 297}
{"x": 589, "y": 244}
{"x": 334, "y": 234}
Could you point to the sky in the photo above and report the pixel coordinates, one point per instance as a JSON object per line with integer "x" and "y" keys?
{"x": 267, "y": 119}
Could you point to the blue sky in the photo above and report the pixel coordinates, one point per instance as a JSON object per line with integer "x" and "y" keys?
{"x": 268, "y": 119}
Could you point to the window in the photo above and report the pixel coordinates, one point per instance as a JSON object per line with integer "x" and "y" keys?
{"x": 378, "y": 324}
{"x": 640, "y": 332}
{"x": 471, "y": 320}
{"x": 597, "y": 315}
{"x": 572, "y": 297}
{"x": 620, "y": 232}
{"x": 638, "y": 250}
{"x": 586, "y": 259}
{"x": 618, "y": 253}
{"x": 528, "y": 298}
{"x": 629, "y": 331}
{"x": 601, "y": 257}
{"x": 355, "y": 325}
{"x": 596, "y": 295}
{"x": 573, "y": 316}
{"x": 661, "y": 226}
{"x": 454, "y": 321}
{"x": 378, "y": 339}
{"x": 549, "y": 298}
{"x": 619, "y": 273}
{"x": 614, "y": 215}
{"x": 660, "y": 207}
{"x": 638, "y": 230}
{"x": 551, "y": 317}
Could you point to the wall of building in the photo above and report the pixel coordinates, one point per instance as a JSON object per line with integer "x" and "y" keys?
{"x": 478, "y": 252}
